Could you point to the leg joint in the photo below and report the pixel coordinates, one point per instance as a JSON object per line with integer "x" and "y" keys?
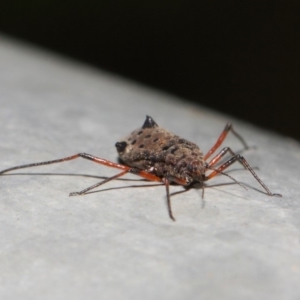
{"x": 135, "y": 171}
{"x": 228, "y": 126}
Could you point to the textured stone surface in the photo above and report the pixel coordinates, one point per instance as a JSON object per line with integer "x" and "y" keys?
{"x": 120, "y": 243}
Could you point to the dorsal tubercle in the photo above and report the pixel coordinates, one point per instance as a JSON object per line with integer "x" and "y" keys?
{"x": 149, "y": 123}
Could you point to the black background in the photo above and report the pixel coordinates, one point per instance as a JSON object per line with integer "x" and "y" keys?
{"x": 239, "y": 57}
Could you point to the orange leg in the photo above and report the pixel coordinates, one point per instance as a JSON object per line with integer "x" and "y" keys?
{"x": 217, "y": 158}
{"x": 83, "y": 155}
{"x": 222, "y": 137}
{"x": 243, "y": 161}
{"x": 143, "y": 174}
{"x": 93, "y": 158}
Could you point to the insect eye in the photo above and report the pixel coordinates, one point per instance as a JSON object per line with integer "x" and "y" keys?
{"x": 121, "y": 146}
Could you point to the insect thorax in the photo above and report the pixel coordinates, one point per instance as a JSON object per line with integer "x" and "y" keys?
{"x": 160, "y": 152}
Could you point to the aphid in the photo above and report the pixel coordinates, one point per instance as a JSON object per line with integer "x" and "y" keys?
{"x": 159, "y": 155}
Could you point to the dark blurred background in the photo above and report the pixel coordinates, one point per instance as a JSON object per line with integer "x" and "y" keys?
{"x": 239, "y": 57}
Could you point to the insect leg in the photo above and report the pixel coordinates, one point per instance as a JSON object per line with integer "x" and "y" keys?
{"x": 99, "y": 183}
{"x": 243, "y": 161}
{"x": 83, "y": 155}
{"x": 167, "y": 181}
{"x": 93, "y": 158}
{"x": 222, "y": 137}
{"x": 167, "y": 184}
{"x": 217, "y": 158}
{"x": 145, "y": 174}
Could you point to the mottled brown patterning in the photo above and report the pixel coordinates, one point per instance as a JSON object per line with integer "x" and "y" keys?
{"x": 160, "y": 152}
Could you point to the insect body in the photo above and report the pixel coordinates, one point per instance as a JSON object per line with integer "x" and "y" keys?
{"x": 158, "y": 155}
{"x": 160, "y": 152}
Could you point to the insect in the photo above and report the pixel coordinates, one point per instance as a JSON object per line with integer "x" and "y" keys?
{"x": 159, "y": 155}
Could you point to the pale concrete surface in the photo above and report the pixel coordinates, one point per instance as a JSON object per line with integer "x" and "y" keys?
{"x": 120, "y": 243}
